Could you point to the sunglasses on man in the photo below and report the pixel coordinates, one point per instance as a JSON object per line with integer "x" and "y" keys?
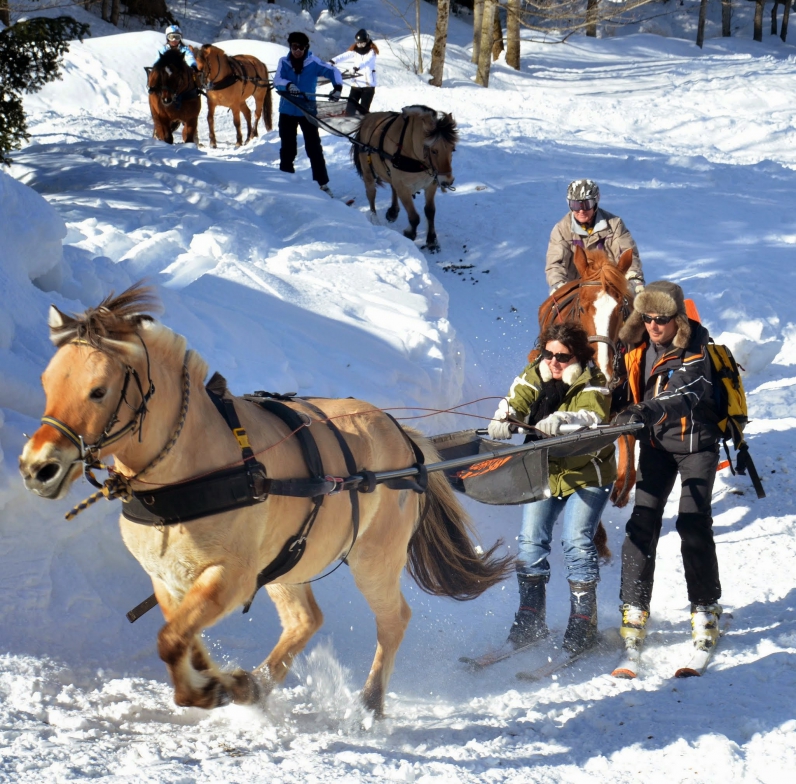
{"x": 577, "y": 205}
{"x": 661, "y": 321}
{"x": 297, "y": 48}
{"x": 559, "y": 357}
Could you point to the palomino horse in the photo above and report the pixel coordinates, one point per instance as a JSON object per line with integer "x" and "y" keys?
{"x": 600, "y": 301}
{"x": 229, "y": 81}
{"x": 412, "y": 151}
{"x": 123, "y": 384}
{"x": 173, "y": 98}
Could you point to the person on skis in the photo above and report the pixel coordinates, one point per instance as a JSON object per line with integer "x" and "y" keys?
{"x": 174, "y": 42}
{"x": 296, "y": 80}
{"x": 589, "y": 226}
{"x": 562, "y": 385}
{"x": 670, "y": 380}
{"x": 361, "y": 56}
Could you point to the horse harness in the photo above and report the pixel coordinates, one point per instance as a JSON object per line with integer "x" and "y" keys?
{"x": 248, "y": 484}
{"x": 398, "y": 160}
{"x": 237, "y": 73}
{"x": 567, "y": 304}
{"x": 185, "y": 95}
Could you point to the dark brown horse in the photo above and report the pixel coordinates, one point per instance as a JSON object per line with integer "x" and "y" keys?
{"x": 413, "y": 151}
{"x": 173, "y": 98}
{"x": 229, "y": 81}
{"x": 600, "y": 301}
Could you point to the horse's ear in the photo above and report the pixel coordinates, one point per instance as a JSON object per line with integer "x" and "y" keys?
{"x": 148, "y": 69}
{"x": 625, "y": 260}
{"x": 581, "y": 262}
{"x": 56, "y": 319}
{"x": 60, "y": 324}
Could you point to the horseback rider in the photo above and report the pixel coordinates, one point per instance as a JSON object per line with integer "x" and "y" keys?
{"x": 669, "y": 374}
{"x": 362, "y": 57}
{"x": 174, "y": 43}
{"x": 296, "y": 76}
{"x": 561, "y": 386}
{"x": 589, "y": 226}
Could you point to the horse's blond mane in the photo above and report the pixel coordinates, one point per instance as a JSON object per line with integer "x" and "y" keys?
{"x": 610, "y": 276}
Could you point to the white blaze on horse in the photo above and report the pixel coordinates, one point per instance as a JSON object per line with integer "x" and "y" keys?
{"x": 121, "y": 384}
{"x": 412, "y": 151}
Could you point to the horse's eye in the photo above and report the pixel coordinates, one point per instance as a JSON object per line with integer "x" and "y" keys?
{"x": 434, "y": 152}
{"x": 98, "y": 393}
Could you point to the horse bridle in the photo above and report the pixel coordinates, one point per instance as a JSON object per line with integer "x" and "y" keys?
{"x": 88, "y": 454}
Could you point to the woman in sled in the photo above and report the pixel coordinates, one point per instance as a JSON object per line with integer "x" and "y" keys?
{"x": 561, "y": 386}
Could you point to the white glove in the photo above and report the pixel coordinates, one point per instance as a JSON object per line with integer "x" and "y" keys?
{"x": 499, "y": 430}
{"x": 293, "y": 90}
{"x": 550, "y": 425}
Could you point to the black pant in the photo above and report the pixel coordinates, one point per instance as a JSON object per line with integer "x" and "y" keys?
{"x": 288, "y": 128}
{"x": 657, "y": 472}
{"x": 359, "y": 100}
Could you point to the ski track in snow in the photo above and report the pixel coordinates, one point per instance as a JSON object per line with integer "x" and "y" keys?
{"x": 279, "y": 287}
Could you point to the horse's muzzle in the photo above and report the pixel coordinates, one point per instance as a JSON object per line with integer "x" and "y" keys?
{"x": 49, "y": 473}
{"x": 445, "y": 181}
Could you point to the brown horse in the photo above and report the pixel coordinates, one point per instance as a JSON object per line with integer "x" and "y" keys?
{"x": 600, "y": 301}
{"x": 413, "y": 151}
{"x": 173, "y": 98}
{"x": 126, "y": 386}
{"x": 229, "y": 81}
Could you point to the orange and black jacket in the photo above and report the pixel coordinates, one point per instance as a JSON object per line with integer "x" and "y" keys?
{"x": 678, "y": 394}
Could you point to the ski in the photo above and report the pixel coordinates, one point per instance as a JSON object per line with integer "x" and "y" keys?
{"x": 700, "y": 658}
{"x": 555, "y": 663}
{"x": 506, "y": 651}
{"x": 631, "y": 663}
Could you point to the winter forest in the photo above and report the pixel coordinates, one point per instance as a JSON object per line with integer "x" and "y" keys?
{"x": 679, "y": 115}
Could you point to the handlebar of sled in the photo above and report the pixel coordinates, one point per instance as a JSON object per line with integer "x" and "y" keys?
{"x": 577, "y": 433}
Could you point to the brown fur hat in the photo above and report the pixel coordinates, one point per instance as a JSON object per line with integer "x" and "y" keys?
{"x": 662, "y": 298}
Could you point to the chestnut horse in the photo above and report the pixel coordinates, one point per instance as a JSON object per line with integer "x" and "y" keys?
{"x": 600, "y": 301}
{"x": 173, "y": 98}
{"x": 122, "y": 384}
{"x": 229, "y": 81}
{"x": 413, "y": 151}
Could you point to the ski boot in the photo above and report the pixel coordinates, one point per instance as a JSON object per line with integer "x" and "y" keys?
{"x": 581, "y": 630}
{"x": 529, "y": 622}
{"x": 705, "y": 625}
{"x": 634, "y": 621}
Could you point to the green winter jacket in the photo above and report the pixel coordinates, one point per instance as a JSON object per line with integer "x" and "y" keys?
{"x": 590, "y": 392}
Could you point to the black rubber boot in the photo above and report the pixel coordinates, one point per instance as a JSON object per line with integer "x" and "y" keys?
{"x": 581, "y": 630}
{"x": 529, "y": 622}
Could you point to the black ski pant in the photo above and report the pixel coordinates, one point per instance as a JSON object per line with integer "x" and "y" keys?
{"x": 359, "y": 99}
{"x": 288, "y": 129}
{"x": 657, "y": 472}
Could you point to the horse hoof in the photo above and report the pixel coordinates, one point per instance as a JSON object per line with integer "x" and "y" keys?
{"x": 245, "y": 690}
{"x": 410, "y": 233}
{"x": 433, "y": 247}
{"x": 374, "y": 219}
{"x": 391, "y": 216}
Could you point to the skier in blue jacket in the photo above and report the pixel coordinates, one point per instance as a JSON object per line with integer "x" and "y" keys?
{"x": 297, "y": 76}
{"x": 174, "y": 41}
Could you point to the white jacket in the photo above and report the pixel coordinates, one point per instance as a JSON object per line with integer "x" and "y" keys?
{"x": 363, "y": 66}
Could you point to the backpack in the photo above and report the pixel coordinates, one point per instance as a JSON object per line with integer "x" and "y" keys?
{"x": 730, "y": 398}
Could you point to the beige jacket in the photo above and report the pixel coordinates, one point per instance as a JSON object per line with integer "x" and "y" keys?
{"x": 608, "y": 230}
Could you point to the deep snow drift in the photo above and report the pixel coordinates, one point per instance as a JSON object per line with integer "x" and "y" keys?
{"x": 281, "y": 288}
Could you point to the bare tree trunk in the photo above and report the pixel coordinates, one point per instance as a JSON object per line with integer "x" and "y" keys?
{"x": 774, "y": 17}
{"x": 440, "y": 42}
{"x": 758, "y": 24}
{"x": 418, "y": 39}
{"x": 783, "y": 33}
{"x": 5, "y": 13}
{"x": 703, "y": 13}
{"x": 485, "y": 51}
{"x": 513, "y": 34}
{"x": 497, "y": 34}
{"x": 478, "y": 18}
{"x": 726, "y": 18}
{"x": 115, "y": 13}
{"x": 106, "y": 7}
{"x": 592, "y": 7}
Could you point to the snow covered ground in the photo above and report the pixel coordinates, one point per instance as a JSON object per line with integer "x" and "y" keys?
{"x": 279, "y": 287}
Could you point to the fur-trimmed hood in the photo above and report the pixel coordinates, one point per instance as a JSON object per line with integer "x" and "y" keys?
{"x": 664, "y": 299}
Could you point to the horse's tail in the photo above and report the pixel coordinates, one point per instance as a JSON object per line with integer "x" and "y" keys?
{"x": 355, "y": 153}
{"x": 442, "y": 557}
{"x": 268, "y": 113}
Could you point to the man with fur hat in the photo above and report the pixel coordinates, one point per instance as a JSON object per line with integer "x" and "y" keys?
{"x": 588, "y": 225}
{"x": 670, "y": 381}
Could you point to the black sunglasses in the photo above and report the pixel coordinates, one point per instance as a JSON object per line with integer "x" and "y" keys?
{"x": 586, "y": 204}
{"x": 661, "y": 321}
{"x": 298, "y": 47}
{"x": 562, "y": 358}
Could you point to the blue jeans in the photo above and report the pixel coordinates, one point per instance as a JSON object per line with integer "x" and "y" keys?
{"x": 582, "y": 510}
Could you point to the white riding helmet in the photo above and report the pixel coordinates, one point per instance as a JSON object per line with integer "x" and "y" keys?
{"x": 172, "y": 31}
{"x": 580, "y": 190}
